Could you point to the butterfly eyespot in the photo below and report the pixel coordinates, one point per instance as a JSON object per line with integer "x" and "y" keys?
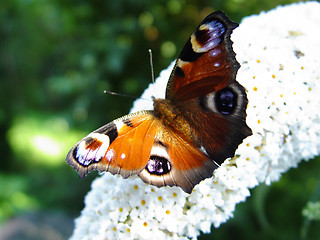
{"x": 226, "y": 101}
{"x": 158, "y": 165}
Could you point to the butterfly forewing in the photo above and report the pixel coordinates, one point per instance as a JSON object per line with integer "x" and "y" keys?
{"x": 207, "y": 62}
{"x": 120, "y": 147}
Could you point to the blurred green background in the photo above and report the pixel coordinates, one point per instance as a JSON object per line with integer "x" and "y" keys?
{"x": 57, "y": 57}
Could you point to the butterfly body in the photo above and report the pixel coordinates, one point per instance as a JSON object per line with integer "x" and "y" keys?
{"x": 188, "y": 134}
{"x": 173, "y": 119}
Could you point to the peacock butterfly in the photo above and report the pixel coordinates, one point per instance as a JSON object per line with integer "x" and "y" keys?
{"x": 187, "y": 135}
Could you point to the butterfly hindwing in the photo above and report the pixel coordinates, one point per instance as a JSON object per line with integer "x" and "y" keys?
{"x": 140, "y": 144}
{"x": 222, "y": 120}
{"x": 175, "y": 161}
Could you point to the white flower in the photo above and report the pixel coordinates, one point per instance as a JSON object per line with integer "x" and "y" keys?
{"x": 279, "y": 56}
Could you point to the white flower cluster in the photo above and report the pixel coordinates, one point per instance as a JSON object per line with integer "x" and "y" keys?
{"x": 279, "y": 56}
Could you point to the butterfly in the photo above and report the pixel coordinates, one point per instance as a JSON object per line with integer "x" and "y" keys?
{"x": 187, "y": 135}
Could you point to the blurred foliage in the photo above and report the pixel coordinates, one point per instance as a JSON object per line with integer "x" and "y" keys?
{"x": 56, "y": 59}
{"x": 312, "y": 211}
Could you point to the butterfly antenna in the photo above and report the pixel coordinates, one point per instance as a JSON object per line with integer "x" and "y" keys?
{"x": 119, "y": 94}
{"x": 124, "y": 95}
{"x": 151, "y": 65}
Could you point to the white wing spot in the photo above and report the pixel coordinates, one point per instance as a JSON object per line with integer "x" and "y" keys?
{"x": 119, "y": 124}
{"x": 214, "y": 52}
{"x": 110, "y": 155}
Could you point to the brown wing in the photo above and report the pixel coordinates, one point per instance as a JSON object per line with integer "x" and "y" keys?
{"x": 203, "y": 88}
{"x": 207, "y": 62}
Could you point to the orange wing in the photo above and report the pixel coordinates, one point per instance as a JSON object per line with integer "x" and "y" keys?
{"x": 120, "y": 147}
{"x": 140, "y": 144}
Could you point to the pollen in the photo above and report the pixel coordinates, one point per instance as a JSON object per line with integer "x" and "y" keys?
{"x": 259, "y": 121}
{"x": 281, "y": 67}
{"x": 121, "y": 209}
{"x": 255, "y": 89}
{"x": 168, "y": 212}
{"x": 145, "y": 224}
{"x": 175, "y": 194}
{"x": 135, "y": 187}
{"x": 273, "y": 76}
{"x": 143, "y": 202}
{"x": 160, "y": 198}
{"x": 258, "y": 61}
